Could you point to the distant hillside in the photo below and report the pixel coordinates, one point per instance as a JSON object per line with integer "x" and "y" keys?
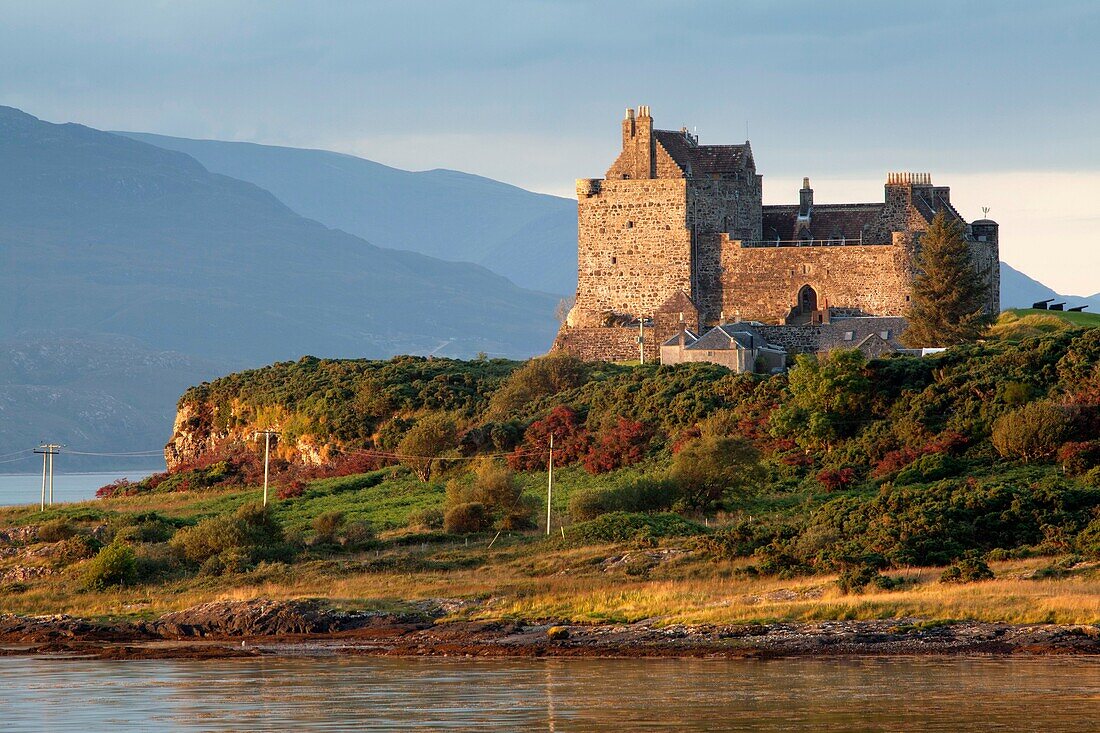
{"x": 1020, "y": 291}
{"x": 94, "y": 393}
{"x": 527, "y": 237}
{"x": 105, "y": 236}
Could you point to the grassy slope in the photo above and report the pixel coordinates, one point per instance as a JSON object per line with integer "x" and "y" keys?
{"x": 1089, "y": 320}
{"x": 531, "y": 576}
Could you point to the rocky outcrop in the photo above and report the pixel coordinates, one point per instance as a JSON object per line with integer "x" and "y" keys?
{"x": 258, "y": 618}
{"x": 196, "y": 435}
{"x": 269, "y": 623}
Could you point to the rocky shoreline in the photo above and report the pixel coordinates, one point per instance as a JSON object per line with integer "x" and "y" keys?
{"x": 259, "y": 627}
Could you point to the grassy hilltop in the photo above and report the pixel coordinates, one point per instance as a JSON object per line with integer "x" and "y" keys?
{"x": 964, "y": 485}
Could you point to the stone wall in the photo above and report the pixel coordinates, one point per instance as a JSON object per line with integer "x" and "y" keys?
{"x": 762, "y": 283}
{"x": 605, "y": 344}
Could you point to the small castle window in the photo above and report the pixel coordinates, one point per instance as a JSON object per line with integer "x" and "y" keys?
{"x": 849, "y": 335}
{"x": 630, "y": 225}
{"x": 906, "y": 298}
{"x": 885, "y": 335}
{"x": 614, "y": 260}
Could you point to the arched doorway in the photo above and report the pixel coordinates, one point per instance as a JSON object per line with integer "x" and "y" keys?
{"x": 807, "y": 300}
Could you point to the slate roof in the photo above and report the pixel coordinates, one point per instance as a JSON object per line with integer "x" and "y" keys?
{"x": 827, "y": 221}
{"x": 689, "y": 339}
{"x": 722, "y": 338}
{"x": 703, "y": 159}
{"x": 831, "y": 336}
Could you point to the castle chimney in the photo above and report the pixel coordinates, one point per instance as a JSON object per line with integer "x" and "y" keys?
{"x": 805, "y": 199}
{"x": 629, "y": 129}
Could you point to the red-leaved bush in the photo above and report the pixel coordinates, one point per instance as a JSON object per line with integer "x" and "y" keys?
{"x": 623, "y": 445}
{"x": 1079, "y": 456}
{"x": 949, "y": 442}
{"x": 836, "y": 480}
{"x": 570, "y": 441}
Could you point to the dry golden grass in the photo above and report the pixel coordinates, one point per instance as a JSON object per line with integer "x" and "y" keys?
{"x": 534, "y": 582}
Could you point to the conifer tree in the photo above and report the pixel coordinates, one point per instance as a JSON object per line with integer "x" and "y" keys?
{"x": 949, "y": 295}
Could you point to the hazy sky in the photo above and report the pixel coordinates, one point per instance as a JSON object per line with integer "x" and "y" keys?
{"x": 1000, "y": 100}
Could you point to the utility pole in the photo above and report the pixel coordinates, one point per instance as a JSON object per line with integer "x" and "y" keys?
{"x": 549, "y": 484}
{"x": 267, "y": 452}
{"x": 48, "y": 451}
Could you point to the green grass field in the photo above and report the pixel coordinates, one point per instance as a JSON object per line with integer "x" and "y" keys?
{"x": 1088, "y": 320}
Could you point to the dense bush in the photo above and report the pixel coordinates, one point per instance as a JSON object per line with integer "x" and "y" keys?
{"x": 836, "y": 479}
{"x": 624, "y": 527}
{"x": 639, "y": 495}
{"x": 251, "y": 532}
{"x": 711, "y": 470}
{"x": 56, "y": 530}
{"x": 114, "y": 565}
{"x": 1032, "y": 432}
{"x": 426, "y": 519}
{"x": 542, "y": 377}
{"x": 624, "y": 444}
{"x": 571, "y": 441}
{"x": 467, "y": 518}
{"x": 967, "y": 570}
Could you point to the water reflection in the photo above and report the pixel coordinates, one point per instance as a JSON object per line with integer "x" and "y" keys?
{"x": 342, "y": 693}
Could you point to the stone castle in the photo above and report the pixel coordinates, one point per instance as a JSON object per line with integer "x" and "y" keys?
{"x": 675, "y": 237}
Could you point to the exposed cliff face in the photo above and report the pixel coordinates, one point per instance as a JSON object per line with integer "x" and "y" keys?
{"x": 199, "y": 432}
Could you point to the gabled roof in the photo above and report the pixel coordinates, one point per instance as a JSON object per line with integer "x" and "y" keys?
{"x": 703, "y": 159}
{"x": 689, "y": 339}
{"x": 827, "y": 221}
{"x": 724, "y": 338}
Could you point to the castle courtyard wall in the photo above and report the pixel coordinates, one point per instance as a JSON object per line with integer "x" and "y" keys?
{"x": 762, "y": 283}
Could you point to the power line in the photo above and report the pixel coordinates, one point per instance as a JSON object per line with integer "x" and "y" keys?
{"x": 16, "y": 453}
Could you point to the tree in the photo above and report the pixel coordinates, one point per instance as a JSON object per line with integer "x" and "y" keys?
{"x": 1033, "y": 432}
{"x": 712, "y": 469}
{"x": 427, "y": 440}
{"x": 538, "y": 378}
{"x": 826, "y": 399}
{"x": 949, "y": 294}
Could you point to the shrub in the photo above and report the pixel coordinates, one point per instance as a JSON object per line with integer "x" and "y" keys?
{"x": 291, "y": 489}
{"x": 78, "y": 547}
{"x": 495, "y": 486}
{"x": 1032, "y": 432}
{"x": 426, "y": 519}
{"x": 711, "y": 469}
{"x": 115, "y": 565}
{"x": 232, "y": 560}
{"x": 741, "y": 539}
{"x": 1079, "y": 457}
{"x": 425, "y": 442}
{"x": 623, "y": 527}
{"x": 623, "y": 445}
{"x": 467, "y": 518}
{"x": 56, "y": 530}
{"x": 571, "y": 441}
{"x": 146, "y": 527}
{"x": 855, "y": 579}
{"x": 251, "y": 529}
{"x": 356, "y": 535}
{"x": 538, "y": 378}
{"x": 927, "y": 468}
{"x": 836, "y": 480}
{"x": 325, "y": 527}
{"x": 640, "y": 495}
{"x": 967, "y": 570}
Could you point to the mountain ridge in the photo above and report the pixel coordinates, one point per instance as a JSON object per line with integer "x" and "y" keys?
{"x": 528, "y": 237}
